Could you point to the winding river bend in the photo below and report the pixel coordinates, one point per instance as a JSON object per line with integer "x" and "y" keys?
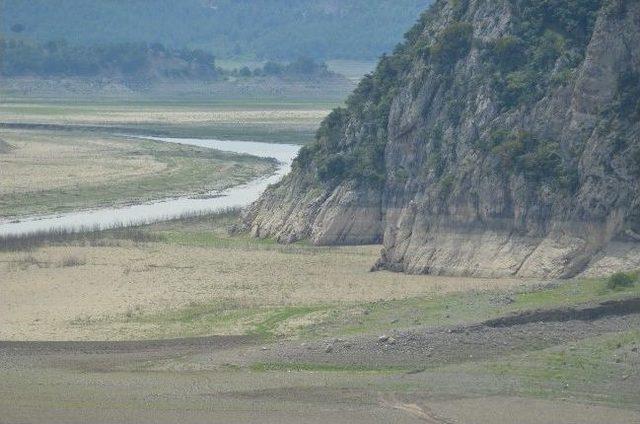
{"x": 171, "y": 208}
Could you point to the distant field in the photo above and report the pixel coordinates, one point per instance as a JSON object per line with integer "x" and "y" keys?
{"x": 268, "y": 119}
{"x": 55, "y": 171}
{"x": 196, "y": 273}
{"x": 352, "y": 69}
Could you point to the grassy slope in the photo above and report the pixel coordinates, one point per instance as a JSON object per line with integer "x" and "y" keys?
{"x": 590, "y": 368}
{"x": 335, "y": 320}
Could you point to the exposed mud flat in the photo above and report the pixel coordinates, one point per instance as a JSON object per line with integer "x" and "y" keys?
{"x": 40, "y": 299}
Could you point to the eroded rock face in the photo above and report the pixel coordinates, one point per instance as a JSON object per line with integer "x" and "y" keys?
{"x": 489, "y": 168}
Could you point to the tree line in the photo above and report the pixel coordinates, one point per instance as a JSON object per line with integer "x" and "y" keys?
{"x": 22, "y": 57}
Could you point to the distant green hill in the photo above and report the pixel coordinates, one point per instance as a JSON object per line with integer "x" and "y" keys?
{"x": 265, "y": 29}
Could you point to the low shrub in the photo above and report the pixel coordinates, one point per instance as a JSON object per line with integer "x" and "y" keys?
{"x": 621, "y": 280}
{"x": 508, "y": 52}
{"x": 73, "y": 261}
{"x": 453, "y": 44}
{"x": 628, "y": 96}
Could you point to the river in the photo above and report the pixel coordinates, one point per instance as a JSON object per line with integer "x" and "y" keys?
{"x": 171, "y": 208}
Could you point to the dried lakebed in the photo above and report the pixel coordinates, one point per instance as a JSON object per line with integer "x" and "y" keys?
{"x": 136, "y": 214}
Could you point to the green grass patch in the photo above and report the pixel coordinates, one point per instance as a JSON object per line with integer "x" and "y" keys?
{"x": 460, "y": 308}
{"x": 223, "y": 317}
{"x": 322, "y": 320}
{"x": 216, "y": 240}
{"x": 333, "y": 320}
{"x": 212, "y": 231}
{"x": 584, "y": 369}
{"x": 268, "y": 325}
{"x": 622, "y": 280}
{"x": 300, "y": 367}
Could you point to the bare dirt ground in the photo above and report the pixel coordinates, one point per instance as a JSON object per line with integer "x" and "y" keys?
{"x": 266, "y": 310}
{"x": 42, "y": 299}
{"x": 53, "y": 160}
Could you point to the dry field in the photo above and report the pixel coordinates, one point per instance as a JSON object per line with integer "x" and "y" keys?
{"x": 79, "y": 292}
{"x": 296, "y": 333}
{"x": 156, "y": 115}
{"x": 191, "y": 278}
{"x": 267, "y": 120}
{"x": 57, "y": 160}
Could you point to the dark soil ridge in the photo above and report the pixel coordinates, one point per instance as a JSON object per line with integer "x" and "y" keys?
{"x": 580, "y": 313}
{"x": 433, "y": 347}
{"x": 124, "y": 347}
{"x": 426, "y": 347}
{"x": 88, "y": 128}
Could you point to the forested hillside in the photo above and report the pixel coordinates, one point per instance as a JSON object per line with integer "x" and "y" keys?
{"x": 126, "y": 60}
{"x": 265, "y": 29}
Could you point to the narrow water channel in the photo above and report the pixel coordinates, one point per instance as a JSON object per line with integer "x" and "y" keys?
{"x": 171, "y": 208}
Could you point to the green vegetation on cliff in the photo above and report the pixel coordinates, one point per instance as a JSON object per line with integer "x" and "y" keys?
{"x": 547, "y": 42}
{"x": 546, "y": 34}
{"x": 511, "y": 120}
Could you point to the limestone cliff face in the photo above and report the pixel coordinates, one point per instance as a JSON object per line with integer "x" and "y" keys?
{"x": 503, "y": 138}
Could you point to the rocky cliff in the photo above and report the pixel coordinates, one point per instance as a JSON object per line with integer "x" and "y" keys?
{"x": 501, "y": 138}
